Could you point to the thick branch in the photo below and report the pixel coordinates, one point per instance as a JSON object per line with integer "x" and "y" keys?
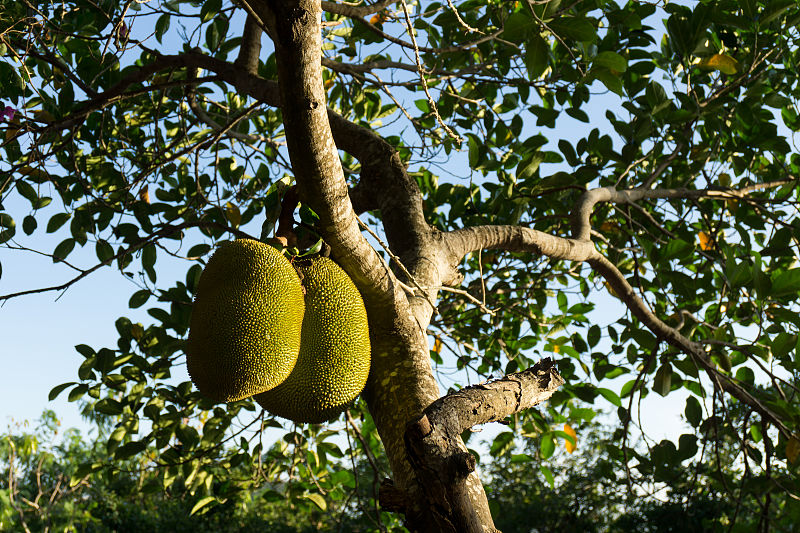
{"x": 496, "y": 400}
{"x": 165, "y": 231}
{"x": 671, "y": 335}
{"x": 439, "y": 457}
{"x": 312, "y": 150}
{"x": 356, "y": 11}
{"x": 250, "y": 49}
{"x": 382, "y": 169}
{"x": 385, "y": 182}
{"x": 518, "y": 239}
{"x": 585, "y": 207}
{"x": 515, "y": 238}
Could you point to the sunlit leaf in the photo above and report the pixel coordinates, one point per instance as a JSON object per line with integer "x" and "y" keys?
{"x": 721, "y": 62}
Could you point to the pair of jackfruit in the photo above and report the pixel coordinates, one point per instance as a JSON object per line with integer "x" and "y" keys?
{"x": 294, "y": 335}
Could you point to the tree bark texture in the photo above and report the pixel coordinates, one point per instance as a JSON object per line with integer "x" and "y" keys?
{"x": 442, "y": 462}
{"x": 401, "y": 382}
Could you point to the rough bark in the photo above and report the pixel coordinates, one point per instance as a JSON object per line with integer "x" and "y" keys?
{"x": 440, "y": 459}
{"x": 401, "y": 382}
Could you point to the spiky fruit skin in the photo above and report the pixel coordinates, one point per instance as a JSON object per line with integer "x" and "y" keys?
{"x": 244, "y": 335}
{"x": 334, "y": 360}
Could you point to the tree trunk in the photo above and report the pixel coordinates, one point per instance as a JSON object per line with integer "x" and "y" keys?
{"x": 438, "y": 489}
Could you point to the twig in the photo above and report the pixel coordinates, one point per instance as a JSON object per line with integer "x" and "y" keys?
{"x": 421, "y": 71}
{"x": 398, "y": 263}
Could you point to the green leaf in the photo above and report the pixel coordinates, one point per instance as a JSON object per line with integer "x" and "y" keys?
{"x": 210, "y": 9}
{"x": 502, "y": 443}
{"x": 149, "y": 260}
{"x": 518, "y": 27}
{"x": 82, "y": 471}
{"x": 63, "y": 250}
{"x": 474, "y": 151}
{"x": 593, "y": 336}
{"x": 85, "y": 350}
{"x": 687, "y": 446}
{"x": 139, "y": 298}
{"x": 612, "y": 81}
{"x": 761, "y": 281}
{"x": 162, "y": 25}
{"x": 58, "y": 389}
{"x": 610, "y": 395}
{"x": 693, "y": 411}
{"x": 774, "y": 9}
{"x": 786, "y": 283}
{"x": 29, "y": 224}
{"x": 27, "y": 191}
{"x": 56, "y": 221}
{"x": 7, "y": 221}
{"x": 662, "y": 383}
{"x": 77, "y": 393}
{"x": 216, "y": 32}
{"x": 7, "y": 234}
{"x": 548, "y": 475}
{"x": 537, "y": 56}
{"x": 782, "y": 344}
{"x": 569, "y": 152}
{"x": 104, "y": 251}
{"x": 528, "y": 166}
{"x": 612, "y": 61}
{"x": 108, "y": 406}
{"x": 547, "y": 445}
{"x": 577, "y": 28}
{"x": 129, "y": 449}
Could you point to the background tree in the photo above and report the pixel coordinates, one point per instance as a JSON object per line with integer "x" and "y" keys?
{"x": 461, "y": 133}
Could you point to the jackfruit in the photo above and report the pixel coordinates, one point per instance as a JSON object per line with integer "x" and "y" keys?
{"x": 244, "y": 333}
{"x": 334, "y": 359}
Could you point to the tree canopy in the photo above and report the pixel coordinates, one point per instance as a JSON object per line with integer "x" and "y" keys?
{"x": 491, "y": 175}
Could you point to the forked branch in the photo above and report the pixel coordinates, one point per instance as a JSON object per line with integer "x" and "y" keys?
{"x": 434, "y": 445}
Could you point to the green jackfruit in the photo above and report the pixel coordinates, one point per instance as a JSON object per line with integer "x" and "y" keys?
{"x": 334, "y": 359}
{"x": 244, "y": 335}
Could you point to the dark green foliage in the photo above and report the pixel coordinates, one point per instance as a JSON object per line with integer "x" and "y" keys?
{"x": 42, "y": 463}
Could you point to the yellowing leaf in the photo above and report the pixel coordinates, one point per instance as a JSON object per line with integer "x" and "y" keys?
{"x": 202, "y": 503}
{"x": 232, "y": 214}
{"x": 137, "y": 331}
{"x": 556, "y": 348}
{"x": 144, "y": 194}
{"x": 318, "y": 500}
{"x": 44, "y": 116}
{"x": 567, "y": 444}
{"x": 437, "y": 346}
{"x": 793, "y": 449}
{"x": 725, "y": 180}
{"x": 721, "y": 62}
{"x": 608, "y": 226}
{"x": 706, "y": 242}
